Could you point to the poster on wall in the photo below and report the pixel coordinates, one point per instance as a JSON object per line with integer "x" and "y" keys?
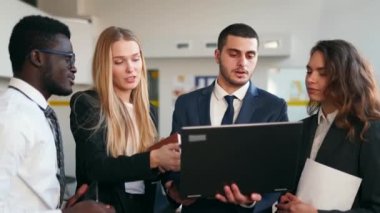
{"x": 289, "y": 84}
{"x": 185, "y": 83}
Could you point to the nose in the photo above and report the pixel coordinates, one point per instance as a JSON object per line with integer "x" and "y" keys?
{"x": 73, "y": 68}
{"x": 311, "y": 77}
{"x": 129, "y": 67}
{"x": 242, "y": 61}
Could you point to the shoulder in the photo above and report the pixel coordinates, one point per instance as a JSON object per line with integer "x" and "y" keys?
{"x": 374, "y": 127}
{"x": 193, "y": 95}
{"x": 263, "y": 94}
{"x": 308, "y": 121}
{"x": 88, "y": 99}
{"x": 21, "y": 119}
{"x": 18, "y": 108}
{"x": 265, "y": 99}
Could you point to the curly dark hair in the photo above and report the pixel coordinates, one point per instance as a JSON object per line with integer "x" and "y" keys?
{"x": 33, "y": 32}
{"x": 351, "y": 86}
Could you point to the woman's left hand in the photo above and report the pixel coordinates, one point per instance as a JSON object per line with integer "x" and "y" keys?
{"x": 291, "y": 203}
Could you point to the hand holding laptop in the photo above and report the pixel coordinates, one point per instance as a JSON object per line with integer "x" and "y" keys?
{"x": 233, "y": 195}
{"x": 173, "y": 192}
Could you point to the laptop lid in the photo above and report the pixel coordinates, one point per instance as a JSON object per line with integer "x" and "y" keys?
{"x": 257, "y": 157}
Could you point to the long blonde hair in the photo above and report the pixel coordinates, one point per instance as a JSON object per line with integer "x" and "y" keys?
{"x": 113, "y": 112}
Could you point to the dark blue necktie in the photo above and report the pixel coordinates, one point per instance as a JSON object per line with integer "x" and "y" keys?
{"x": 229, "y": 114}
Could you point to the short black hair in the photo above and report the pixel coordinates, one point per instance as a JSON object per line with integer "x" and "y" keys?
{"x": 33, "y": 32}
{"x": 238, "y": 29}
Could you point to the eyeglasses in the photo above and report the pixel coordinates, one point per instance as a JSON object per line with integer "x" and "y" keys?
{"x": 70, "y": 56}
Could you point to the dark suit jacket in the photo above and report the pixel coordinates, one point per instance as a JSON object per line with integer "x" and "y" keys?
{"x": 193, "y": 109}
{"x": 358, "y": 158}
{"x": 94, "y": 165}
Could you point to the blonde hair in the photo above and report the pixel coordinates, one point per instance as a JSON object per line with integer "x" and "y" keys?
{"x": 113, "y": 112}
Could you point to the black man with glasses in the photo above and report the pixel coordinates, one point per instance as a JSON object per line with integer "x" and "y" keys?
{"x": 31, "y": 153}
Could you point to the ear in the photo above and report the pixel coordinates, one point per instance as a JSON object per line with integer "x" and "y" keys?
{"x": 217, "y": 56}
{"x": 35, "y": 58}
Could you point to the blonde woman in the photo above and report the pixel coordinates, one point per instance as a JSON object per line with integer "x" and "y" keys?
{"x": 113, "y": 125}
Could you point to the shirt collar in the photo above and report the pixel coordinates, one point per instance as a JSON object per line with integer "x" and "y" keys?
{"x": 30, "y": 91}
{"x": 239, "y": 94}
{"x": 329, "y": 118}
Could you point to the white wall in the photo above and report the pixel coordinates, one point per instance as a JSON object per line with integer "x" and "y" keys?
{"x": 11, "y": 12}
{"x": 82, "y": 37}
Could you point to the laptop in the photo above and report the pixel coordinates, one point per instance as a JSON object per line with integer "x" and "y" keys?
{"x": 257, "y": 157}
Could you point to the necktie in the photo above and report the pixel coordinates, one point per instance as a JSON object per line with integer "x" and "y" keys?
{"x": 229, "y": 114}
{"x": 53, "y": 122}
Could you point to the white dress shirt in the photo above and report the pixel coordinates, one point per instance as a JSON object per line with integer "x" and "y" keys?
{"x": 218, "y": 104}
{"x": 28, "y": 162}
{"x": 133, "y": 187}
{"x": 324, "y": 124}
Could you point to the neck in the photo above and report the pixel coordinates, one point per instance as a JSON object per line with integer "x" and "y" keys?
{"x": 125, "y": 96}
{"x": 327, "y": 108}
{"x": 228, "y": 87}
{"x": 34, "y": 82}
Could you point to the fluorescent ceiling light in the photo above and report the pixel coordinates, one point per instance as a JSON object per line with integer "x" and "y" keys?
{"x": 271, "y": 44}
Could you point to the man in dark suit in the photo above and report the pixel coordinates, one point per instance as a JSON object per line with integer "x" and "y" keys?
{"x": 232, "y": 98}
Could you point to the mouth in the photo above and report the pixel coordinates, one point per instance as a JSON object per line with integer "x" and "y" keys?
{"x": 71, "y": 79}
{"x": 312, "y": 90}
{"x": 130, "y": 79}
{"x": 241, "y": 72}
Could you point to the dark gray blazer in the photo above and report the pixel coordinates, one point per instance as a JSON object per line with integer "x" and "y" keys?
{"x": 193, "y": 109}
{"x": 358, "y": 158}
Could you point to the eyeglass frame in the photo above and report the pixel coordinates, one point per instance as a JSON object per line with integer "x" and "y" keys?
{"x": 69, "y": 55}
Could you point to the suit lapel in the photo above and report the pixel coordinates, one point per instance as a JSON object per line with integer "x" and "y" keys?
{"x": 248, "y": 106}
{"x": 330, "y": 143}
{"x": 204, "y": 105}
{"x": 310, "y": 127}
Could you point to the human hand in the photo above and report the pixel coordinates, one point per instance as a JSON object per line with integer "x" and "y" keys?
{"x": 291, "y": 203}
{"x": 233, "y": 195}
{"x": 173, "y": 192}
{"x": 89, "y": 206}
{"x": 166, "y": 158}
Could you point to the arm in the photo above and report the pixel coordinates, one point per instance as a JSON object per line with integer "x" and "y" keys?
{"x": 176, "y": 118}
{"x": 283, "y": 115}
{"x": 369, "y": 171}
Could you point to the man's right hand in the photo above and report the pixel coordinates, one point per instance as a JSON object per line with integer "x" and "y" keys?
{"x": 89, "y": 206}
